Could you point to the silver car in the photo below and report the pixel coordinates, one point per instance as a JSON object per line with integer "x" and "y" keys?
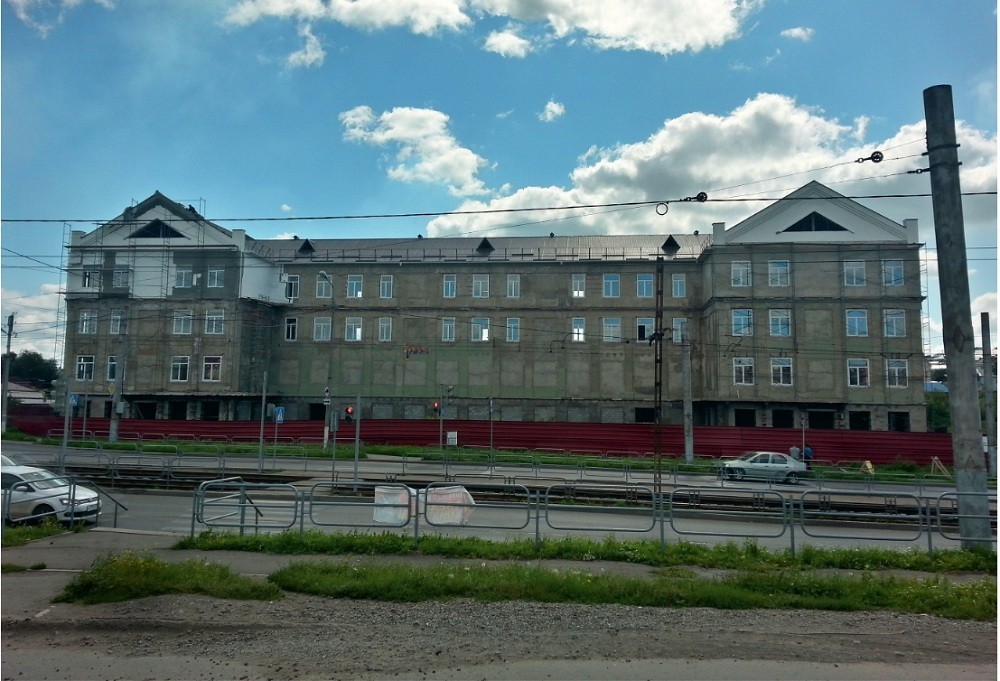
{"x": 35, "y": 494}
{"x": 773, "y": 466}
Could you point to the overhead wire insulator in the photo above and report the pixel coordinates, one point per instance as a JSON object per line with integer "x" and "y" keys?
{"x": 876, "y": 157}
{"x": 700, "y": 197}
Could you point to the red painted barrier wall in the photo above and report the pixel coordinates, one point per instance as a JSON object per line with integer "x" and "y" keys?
{"x": 616, "y": 439}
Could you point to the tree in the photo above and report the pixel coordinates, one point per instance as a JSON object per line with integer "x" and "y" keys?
{"x": 30, "y": 366}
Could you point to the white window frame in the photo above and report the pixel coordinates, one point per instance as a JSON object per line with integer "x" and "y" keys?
{"x": 894, "y": 323}
{"x": 856, "y": 323}
{"x": 892, "y": 272}
{"x": 782, "y": 369}
{"x": 184, "y": 277}
{"x": 323, "y": 329}
{"x": 353, "y": 329}
{"x": 385, "y": 286}
{"x": 88, "y": 322}
{"x": 779, "y": 273}
{"x": 740, "y": 274}
{"x": 118, "y": 325}
{"x": 291, "y": 329}
{"x": 355, "y": 285}
{"x": 121, "y": 276}
{"x": 644, "y": 285}
{"x": 513, "y": 285}
{"x": 780, "y": 323}
{"x": 678, "y": 285}
{"x": 183, "y": 322}
{"x": 85, "y": 367}
{"x": 513, "y": 329}
{"x": 742, "y": 321}
{"x": 897, "y": 373}
{"x": 854, "y": 273}
{"x": 385, "y": 329}
{"x": 215, "y": 321}
{"x": 292, "y": 287}
{"x": 211, "y": 368}
{"x": 579, "y": 330}
{"x": 112, "y": 367}
{"x": 448, "y": 330}
{"x": 216, "y": 276}
{"x": 480, "y": 329}
{"x": 578, "y": 285}
{"x": 324, "y": 286}
{"x": 611, "y": 329}
{"x": 449, "y": 285}
{"x": 679, "y": 329}
{"x": 743, "y": 370}
{"x": 480, "y": 286}
{"x": 180, "y": 368}
{"x": 90, "y": 278}
{"x": 645, "y": 327}
{"x": 612, "y": 285}
{"x": 858, "y": 373}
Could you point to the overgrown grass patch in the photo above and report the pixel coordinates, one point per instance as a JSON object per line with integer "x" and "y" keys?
{"x": 6, "y": 568}
{"x": 743, "y": 590}
{"x": 731, "y": 556}
{"x": 124, "y": 576}
{"x": 20, "y": 535}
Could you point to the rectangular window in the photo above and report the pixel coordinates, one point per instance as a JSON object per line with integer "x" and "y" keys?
{"x": 780, "y": 322}
{"x": 182, "y": 322}
{"x": 179, "y": 368}
{"x": 355, "y": 284}
{"x": 385, "y": 286}
{"x": 513, "y": 329}
{"x": 480, "y": 329}
{"x": 612, "y": 285}
{"x": 292, "y": 287}
{"x": 91, "y": 279}
{"x": 513, "y": 285}
{"x": 678, "y": 285}
{"x": 384, "y": 329}
{"x": 184, "y": 277}
{"x": 112, "y": 367}
{"x": 857, "y": 322}
{"x": 88, "y": 321}
{"x": 778, "y": 273}
{"x": 212, "y": 371}
{"x": 857, "y": 373}
{"x": 118, "y": 324}
{"x": 680, "y": 330}
{"x": 324, "y": 286}
{"x": 449, "y": 285}
{"x": 448, "y": 330}
{"x": 854, "y": 273}
{"x": 742, "y": 322}
{"x": 896, "y": 373}
{"x": 322, "y": 328}
{"x": 892, "y": 272}
{"x": 352, "y": 329}
{"x": 214, "y": 321}
{"x": 611, "y": 329}
{"x": 895, "y": 323}
{"x": 120, "y": 278}
{"x": 291, "y": 328}
{"x": 781, "y": 371}
{"x": 579, "y": 285}
{"x": 742, "y": 370}
{"x": 740, "y": 273}
{"x": 216, "y": 276}
{"x": 85, "y": 367}
{"x": 579, "y": 329}
{"x": 645, "y": 327}
{"x": 480, "y": 286}
{"x": 644, "y": 286}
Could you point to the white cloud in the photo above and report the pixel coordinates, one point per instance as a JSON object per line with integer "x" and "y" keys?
{"x": 311, "y": 54}
{"x": 507, "y": 43}
{"x": 798, "y": 33}
{"x": 552, "y": 111}
{"x": 424, "y": 17}
{"x": 45, "y": 15}
{"x": 285, "y": 208}
{"x": 985, "y": 303}
{"x": 36, "y": 321}
{"x": 426, "y": 149}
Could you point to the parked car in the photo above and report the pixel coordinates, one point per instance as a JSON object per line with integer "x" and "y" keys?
{"x": 35, "y": 494}
{"x": 773, "y": 466}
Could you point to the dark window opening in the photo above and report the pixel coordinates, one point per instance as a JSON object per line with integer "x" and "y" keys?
{"x": 317, "y": 411}
{"x": 821, "y": 420}
{"x": 209, "y": 411}
{"x": 177, "y": 411}
{"x": 745, "y": 418}
{"x": 783, "y": 418}
{"x": 144, "y": 410}
{"x": 645, "y": 415}
{"x": 859, "y": 420}
{"x": 899, "y": 421}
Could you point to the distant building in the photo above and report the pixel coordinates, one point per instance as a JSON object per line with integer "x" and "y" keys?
{"x": 810, "y": 309}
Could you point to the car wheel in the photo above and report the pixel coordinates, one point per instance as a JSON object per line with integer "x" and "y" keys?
{"x": 738, "y": 473}
{"x": 792, "y": 478}
{"x": 40, "y": 513}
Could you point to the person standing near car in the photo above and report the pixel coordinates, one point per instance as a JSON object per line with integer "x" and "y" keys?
{"x": 807, "y": 455}
{"x": 794, "y": 452}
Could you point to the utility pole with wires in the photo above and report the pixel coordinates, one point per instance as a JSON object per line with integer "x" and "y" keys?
{"x": 8, "y": 359}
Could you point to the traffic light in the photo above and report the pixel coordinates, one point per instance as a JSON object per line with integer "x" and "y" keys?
{"x": 437, "y": 408}
{"x": 349, "y": 414}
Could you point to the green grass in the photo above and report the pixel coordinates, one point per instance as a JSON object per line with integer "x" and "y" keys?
{"x": 6, "y": 568}
{"x": 124, "y": 576}
{"x": 747, "y": 556}
{"x": 744, "y": 590}
{"x": 20, "y": 535}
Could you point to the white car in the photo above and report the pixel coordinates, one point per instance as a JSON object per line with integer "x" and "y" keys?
{"x": 773, "y": 466}
{"x": 35, "y": 494}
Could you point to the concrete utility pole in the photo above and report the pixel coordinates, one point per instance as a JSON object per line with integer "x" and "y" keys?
{"x": 7, "y": 361}
{"x": 989, "y": 395}
{"x": 117, "y": 404}
{"x": 959, "y": 340}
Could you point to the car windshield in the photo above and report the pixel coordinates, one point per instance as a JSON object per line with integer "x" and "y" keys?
{"x": 44, "y": 480}
{"x": 746, "y": 456}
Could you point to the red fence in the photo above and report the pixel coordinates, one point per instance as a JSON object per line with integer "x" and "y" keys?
{"x": 879, "y": 447}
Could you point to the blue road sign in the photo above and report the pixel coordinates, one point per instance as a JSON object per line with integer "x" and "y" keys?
{"x": 74, "y": 400}
{"x": 279, "y": 415}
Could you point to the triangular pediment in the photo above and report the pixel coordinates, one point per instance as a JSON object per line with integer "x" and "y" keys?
{"x": 816, "y": 222}
{"x": 156, "y": 229}
{"x": 157, "y": 217}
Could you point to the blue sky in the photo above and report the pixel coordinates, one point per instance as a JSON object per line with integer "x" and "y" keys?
{"x": 298, "y": 108}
